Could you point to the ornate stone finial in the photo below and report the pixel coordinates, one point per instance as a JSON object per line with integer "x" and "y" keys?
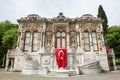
{"x": 60, "y": 13}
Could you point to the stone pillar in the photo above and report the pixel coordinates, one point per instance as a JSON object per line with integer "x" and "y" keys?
{"x": 91, "y": 43}
{"x": 39, "y": 41}
{"x": 52, "y": 61}
{"x": 113, "y": 58}
{"x": 21, "y": 40}
{"x": 18, "y": 41}
{"x": 43, "y": 43}
{"x": 79, "y": 49}
{"x": 114, "y": 63}
{"x": 11, "y": 66}
{"x": 103, "y": 44}
{"x": 43, "y": 40}
{"x": 78, "y": 42}
{"x": 69, "y": 50}
{"x": 71, "y": 61}
{"x": 82, "y": 58}
{"x": 53, "y": 43}
{"x": 78, "y": 39}
{"x": 44, "y": 28}
{"x": 7, "y": 62}
{"x": 30, "y": 47}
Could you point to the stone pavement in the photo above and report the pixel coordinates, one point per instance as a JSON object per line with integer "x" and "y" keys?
{"x": 115, "y": 75}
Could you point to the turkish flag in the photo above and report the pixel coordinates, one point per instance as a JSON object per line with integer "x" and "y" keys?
{"x": 61, "y": 57}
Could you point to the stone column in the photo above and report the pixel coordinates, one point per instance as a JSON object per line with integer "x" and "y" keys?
{"x": 7, "y": 62}
{"x": 43, "y": 42}
{"x": 53, "y": 43}
{"x": 78, "y": 42}
{"x": 71, "y": 61}
{"x": 79, "y": 49}
{"x": 52, "y": 61}
{"x": 114, "y": 63}
{"x": 11, "y": 66}
{"x": 18, "y": 41}
{"x": 91, "y": 43}
{"x": 44, "y": 28}
{"x": 30, "y": 47}
{"x": 39, "y": 41}
{"x": 21, "y": 40}
{"x": 103, "y": 44}
{"x": 82, "y": 56}
{"x": 68, "y": 42}
{"x": 69, "y": 50}
{"x": 78, "y": 39}
{"x": 113, "y": 58}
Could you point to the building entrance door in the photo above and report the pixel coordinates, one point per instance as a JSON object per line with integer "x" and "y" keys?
{"x": 60, "y": 39}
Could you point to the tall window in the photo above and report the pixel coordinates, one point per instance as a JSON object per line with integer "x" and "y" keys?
{"x": 35, "y": 41}
{"x": 27, "y": 41}
{"x": 94, "y": 41}
{"x": 86, "y": 41}
{"x": 60, "y": 39}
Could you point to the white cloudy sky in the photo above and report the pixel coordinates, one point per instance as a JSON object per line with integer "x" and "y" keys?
{"x": 14, "y": 9}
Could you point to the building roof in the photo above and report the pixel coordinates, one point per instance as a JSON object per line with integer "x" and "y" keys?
{"x": 59, "y": 18}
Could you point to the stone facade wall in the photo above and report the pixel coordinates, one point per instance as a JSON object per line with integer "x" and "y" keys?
{"x": 74, "y": 29}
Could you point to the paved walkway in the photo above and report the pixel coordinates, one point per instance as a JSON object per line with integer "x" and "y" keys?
{"x": 18, "y": 76}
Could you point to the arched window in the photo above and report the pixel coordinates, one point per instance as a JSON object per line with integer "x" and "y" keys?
{"x": 86, "y": 41}
{"x": 35, "y": 41}
{"x": 27, "y": 41}
{"x": 60, "y": 39}
{"x": 94, "y": 41}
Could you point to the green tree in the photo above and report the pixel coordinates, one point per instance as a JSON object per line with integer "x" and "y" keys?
{"x": 112, "y": 39}
{"x": 6, "y": 29}
{"x": 102, "y": 15}
{"x": 10, "y": 38}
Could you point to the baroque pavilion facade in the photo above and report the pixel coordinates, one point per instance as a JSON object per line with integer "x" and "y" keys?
{"x": 81, "y": 36}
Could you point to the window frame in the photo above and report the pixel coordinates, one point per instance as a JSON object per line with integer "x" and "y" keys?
{"x": 96, "y": 40}
{"x": 26, "y": 50}
{"x": 88, "y": 39}
{"x": 61, "y": 38}
{"x": 33, "y": 41}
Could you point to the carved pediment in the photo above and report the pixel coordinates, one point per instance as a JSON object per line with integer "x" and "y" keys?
{"x": 88, "y": 17}
{"x": 60, "y": 18}
{"x": 32, "y": 17}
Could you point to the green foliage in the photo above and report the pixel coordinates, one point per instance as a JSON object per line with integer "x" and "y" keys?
{"x": 112, "y": 39}
{"x": 102, "y": 15}
{"x": 8, "y": 37}
{"x": 118, "y": 61}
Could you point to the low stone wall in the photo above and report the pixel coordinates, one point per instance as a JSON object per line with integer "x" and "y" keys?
{"x": 92, "y": 68}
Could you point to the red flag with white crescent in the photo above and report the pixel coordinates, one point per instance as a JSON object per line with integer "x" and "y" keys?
{"x": 61, "y": 57}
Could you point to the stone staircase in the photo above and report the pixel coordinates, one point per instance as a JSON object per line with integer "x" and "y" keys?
{"x": 32, "y": 67}
{"x": 91, "y": 67}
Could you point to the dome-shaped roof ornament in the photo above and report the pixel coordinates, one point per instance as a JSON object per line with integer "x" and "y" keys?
{"x": 60, "y": 13}
{"x": 60, "y": 18}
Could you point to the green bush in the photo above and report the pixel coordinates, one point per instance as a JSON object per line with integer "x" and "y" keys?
{"x": 118, "y": 61}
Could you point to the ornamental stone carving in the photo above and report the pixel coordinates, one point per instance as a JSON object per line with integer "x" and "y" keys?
{"x": 47, "y": 34}
{"x": 60, "y": 18}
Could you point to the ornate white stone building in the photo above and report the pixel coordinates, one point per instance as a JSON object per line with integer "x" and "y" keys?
{"x": 39, "y": 37}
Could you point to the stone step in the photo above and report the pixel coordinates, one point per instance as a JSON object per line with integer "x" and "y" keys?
{"x": 92, "y": 67}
